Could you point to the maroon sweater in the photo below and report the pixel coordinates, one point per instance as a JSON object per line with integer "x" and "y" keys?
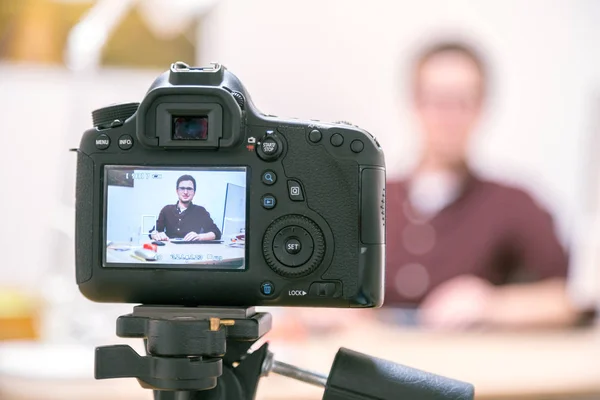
{"x": 491, "y": 231}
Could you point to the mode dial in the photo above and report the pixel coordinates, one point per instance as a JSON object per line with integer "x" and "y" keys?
{"x": 104, "y": 117}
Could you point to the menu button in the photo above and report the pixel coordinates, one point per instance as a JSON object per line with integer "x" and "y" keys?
{"x": 102, "y": 142}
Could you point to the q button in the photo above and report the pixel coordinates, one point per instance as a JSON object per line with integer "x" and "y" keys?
{"x": 269, "y": 177}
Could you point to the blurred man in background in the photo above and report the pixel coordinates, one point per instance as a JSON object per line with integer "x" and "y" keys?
{"x": 465, "y": 250}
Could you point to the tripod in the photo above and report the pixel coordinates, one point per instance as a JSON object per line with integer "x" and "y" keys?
{"x": 202, "y": 354}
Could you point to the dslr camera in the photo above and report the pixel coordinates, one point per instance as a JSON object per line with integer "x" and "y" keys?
{"x": 194, "y": 197}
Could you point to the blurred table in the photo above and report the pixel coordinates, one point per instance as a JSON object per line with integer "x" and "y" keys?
{"x": 528, "y": 365}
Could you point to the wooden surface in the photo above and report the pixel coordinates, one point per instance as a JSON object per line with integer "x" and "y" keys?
{"x": 529, "y": 365}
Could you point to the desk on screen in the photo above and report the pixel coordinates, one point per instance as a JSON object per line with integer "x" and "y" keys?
{"x": 199, "y": 253}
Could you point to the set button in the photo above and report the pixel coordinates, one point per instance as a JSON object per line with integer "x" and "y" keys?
{"x": 293, "y": 246}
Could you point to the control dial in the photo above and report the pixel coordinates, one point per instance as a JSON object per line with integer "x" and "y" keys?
{"x": 104, "y": 117}
{"x": 293, "y": 246}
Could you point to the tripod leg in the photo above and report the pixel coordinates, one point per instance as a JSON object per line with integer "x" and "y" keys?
{"x": 178, "y": 395}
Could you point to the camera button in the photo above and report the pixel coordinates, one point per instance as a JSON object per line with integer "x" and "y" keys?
{"x": 267, "y": 288}
{"x": 102, "y": 142}
{"x": 357, "y": 146}
{"x": 268, "y": 201}
{"x": 269, "y": 177}
{"x": 337, "y": 140}
{"x": 300, "y": 249}
{"x": 269, "y": 146}
{"x": 125, "y": 142}
{"x": 293, "y": 245}
{"x": 295, "y": 191}
{"x": 315, "y": 136}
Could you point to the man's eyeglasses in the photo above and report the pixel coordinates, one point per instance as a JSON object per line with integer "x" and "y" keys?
{"x": 185, "y": 188}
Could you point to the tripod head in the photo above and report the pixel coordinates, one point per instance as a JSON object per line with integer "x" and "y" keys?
{"x": 203, "y": 353}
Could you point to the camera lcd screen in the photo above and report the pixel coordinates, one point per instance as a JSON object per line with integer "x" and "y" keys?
{"x": 175, "y": 217}
{"x": 190, "y": 127}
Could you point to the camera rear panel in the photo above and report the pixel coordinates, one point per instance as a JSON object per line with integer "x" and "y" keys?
{"x": 312, "y": 231}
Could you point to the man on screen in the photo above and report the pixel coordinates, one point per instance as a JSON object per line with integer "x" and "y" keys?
{"x": 185, "y": 219}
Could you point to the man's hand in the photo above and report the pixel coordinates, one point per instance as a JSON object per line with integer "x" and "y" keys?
{"x": 159, "y": 236}
{"x": 467, "y": 301}
{"x": 459, "y": 303}
{"x": 197, "y": 237}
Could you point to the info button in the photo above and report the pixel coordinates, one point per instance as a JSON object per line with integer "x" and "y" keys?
{"x": 125, "y": 142}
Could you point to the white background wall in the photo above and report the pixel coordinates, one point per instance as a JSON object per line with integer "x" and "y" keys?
{"x": 44, "y": 112}
{"x": 349, "y": 60}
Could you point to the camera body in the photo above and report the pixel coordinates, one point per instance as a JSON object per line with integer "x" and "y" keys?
{"x": 194, "y": 197}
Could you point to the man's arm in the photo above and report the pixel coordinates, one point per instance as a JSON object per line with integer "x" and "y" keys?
{"x": 541, "y": 304}
{"x": 209, "y": 226}
{"x": 469, "y": 301}
{"x": 206, "y": 225}
{"x": 158, "y": 232}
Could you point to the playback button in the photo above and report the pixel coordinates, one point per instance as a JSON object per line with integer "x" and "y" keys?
{"x": 268, "y": 201}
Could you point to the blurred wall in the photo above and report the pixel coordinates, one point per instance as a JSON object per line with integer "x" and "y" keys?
{"x": 334, "y": 59}
{"x": 45, "y": 110}
{"x": 348, "y": 60}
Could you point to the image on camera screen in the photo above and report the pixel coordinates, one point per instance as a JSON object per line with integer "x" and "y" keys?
{"x": 190, "y": 128}
{"x": 164, "y": 217}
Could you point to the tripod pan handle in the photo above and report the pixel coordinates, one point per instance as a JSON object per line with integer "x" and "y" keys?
{"x": 359, "y": 376}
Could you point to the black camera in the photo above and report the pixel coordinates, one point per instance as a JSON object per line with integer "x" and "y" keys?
{"x": 194, "y": 197}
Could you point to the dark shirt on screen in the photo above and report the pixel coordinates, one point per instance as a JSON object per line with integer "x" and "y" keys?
{"x": 177, "y": 224}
